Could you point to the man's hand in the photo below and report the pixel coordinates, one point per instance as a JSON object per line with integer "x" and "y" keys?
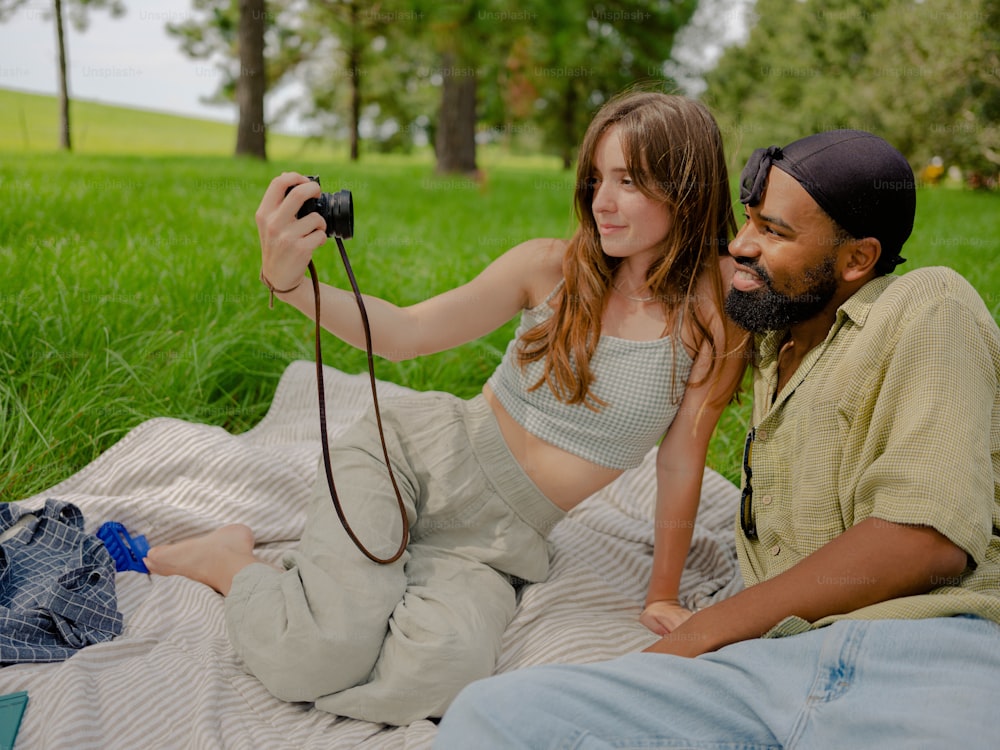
{"x": 873, "y": 561}
{"x": 683, "y": 641}
{"x": 664, "y": 616}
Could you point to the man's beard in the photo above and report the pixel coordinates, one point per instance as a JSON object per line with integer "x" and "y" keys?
{"x": 769, "y": 310}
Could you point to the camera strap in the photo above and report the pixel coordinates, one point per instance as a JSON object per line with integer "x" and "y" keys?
{"x": 378, "y": 417}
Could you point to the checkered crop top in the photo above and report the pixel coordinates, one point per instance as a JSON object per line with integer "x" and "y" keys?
{"x": 641, "y": 382}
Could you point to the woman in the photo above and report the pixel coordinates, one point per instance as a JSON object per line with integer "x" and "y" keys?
{"x": 622, "y": 343}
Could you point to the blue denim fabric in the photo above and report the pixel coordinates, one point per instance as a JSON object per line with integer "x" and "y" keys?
{"x": 929, "y": 683}
{"x": 57, "y": 585}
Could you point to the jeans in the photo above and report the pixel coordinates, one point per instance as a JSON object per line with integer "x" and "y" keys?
{"x": 884, "y": 684}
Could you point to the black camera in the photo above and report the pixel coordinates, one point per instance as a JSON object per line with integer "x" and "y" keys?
{"x": 337, "y": 209}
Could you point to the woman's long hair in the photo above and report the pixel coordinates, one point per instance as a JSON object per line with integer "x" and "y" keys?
{"x": 673, "y": 152}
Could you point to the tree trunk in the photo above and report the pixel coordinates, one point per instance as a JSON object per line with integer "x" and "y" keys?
{"x": 455, "y": 141}
{"x": 569, "y": 125}
{"x": 354, "y": 64}
{"x": 251, "y": 134}
{"x": 65, "y": 142}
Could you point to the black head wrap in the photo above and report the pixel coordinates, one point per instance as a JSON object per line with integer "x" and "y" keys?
{"x": 862, "y": 182}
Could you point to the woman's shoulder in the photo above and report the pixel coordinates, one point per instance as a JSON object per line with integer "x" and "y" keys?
{"x": 543, "y": 251}
{"x": 542, "y": 259}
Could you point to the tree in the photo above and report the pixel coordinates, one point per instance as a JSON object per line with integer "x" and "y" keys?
{"x": 463, "y": 35}
{"x": 547, "y": 62}
{"x": 364, "y": 66}
{"x": 576, "y": 55}
{"x": 355, "y": 49}
{"x": 254, "y": 43}
{"x": 350, "y": 30}
{"x": 455, "y": 141}
{"x": 921, "y": 74}
{"x": 251, "y": 133}
{"x": 79, "y": 17}
{"x": 399, "y": 57}
{"x": 945, "y": 56}
{"x": 796, "y": 73}
{"x": 376, "y": 69}
{"x": 461, "y": 45}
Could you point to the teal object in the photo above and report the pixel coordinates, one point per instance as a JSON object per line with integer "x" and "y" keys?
{"x": 11, "y": 711}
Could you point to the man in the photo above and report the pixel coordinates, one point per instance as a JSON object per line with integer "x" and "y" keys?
{"x": 869, "y": 526}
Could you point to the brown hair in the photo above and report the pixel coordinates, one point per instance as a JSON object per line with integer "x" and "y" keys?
{"x": 673, "y": 153}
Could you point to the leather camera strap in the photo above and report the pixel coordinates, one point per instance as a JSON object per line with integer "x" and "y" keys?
{"x": 378, "y": 418}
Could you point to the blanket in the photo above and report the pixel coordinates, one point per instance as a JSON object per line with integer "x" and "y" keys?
{"x": 171, "y": 680}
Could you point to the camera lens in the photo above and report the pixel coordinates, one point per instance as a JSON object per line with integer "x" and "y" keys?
{"x": 337, "y": 210}
{"x": 340, "y": 216}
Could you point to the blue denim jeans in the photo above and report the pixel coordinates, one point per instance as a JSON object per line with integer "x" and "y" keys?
{"x": 884, "y": 684}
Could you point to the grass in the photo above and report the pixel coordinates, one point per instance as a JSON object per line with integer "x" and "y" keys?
{"x": 130, "y": 279}
{"x": 130, "y": 288}
{"x": 31, "y": 124}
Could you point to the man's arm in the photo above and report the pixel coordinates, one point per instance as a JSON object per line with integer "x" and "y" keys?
{"x": 871, "y": 562}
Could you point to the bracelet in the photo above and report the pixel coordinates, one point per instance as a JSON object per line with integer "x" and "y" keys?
{"x": 271, "y": 288}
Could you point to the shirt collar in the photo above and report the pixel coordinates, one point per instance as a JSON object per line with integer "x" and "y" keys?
{"x": 855, "y": 309}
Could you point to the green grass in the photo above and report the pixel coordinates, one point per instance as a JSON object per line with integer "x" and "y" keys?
{"x": 31, "y": 124}
{"x": 130, "y": 285}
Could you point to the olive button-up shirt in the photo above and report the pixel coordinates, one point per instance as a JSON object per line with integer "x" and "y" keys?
{"x": 896, "y": 415}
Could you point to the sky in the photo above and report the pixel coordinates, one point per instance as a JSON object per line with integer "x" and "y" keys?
{"x": 132, "y": 61}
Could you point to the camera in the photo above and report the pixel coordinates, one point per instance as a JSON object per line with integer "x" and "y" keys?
{"x": 337, "y": 209}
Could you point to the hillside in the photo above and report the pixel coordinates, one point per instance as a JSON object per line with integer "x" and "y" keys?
{"x": 31, "y": 123}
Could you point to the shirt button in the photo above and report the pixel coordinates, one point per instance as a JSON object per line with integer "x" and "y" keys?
{"x": 776, "y": 550}
{"x": 761, "y": 435}
{"x": 766, "y": 500}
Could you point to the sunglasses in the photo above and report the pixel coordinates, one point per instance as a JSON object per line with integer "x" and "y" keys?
{"x": 747, "y": 522}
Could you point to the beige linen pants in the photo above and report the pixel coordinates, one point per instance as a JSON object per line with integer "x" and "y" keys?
{"x": 395, "y": 643}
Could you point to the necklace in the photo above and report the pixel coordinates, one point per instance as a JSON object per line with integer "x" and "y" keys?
{"x": 629, "y": 296}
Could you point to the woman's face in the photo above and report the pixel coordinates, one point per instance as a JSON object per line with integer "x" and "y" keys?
{"x": 630, "y": 223}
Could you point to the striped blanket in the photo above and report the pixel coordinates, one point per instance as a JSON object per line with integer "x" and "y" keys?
{"x": 172, "y": 680}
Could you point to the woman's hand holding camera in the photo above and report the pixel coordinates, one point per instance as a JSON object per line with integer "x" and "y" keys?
{"x": 286, "y": 241}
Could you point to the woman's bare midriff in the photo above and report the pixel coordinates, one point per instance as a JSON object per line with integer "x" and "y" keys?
{"x": 564, "y": 478}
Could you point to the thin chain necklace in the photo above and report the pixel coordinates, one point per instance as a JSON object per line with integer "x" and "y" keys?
{"x": 629, "y": 296}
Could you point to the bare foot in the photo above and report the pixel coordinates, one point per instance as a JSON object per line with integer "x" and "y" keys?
{"x": 213, "y": 559}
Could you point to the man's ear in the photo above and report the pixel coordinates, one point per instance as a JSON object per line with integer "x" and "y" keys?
{"x": 862, "y": 255}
